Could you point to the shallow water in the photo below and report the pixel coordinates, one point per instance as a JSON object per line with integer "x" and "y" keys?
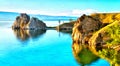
{"x": 38, "y": 48}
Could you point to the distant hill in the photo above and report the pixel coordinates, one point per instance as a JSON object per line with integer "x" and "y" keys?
{"x": 10, "y": 16}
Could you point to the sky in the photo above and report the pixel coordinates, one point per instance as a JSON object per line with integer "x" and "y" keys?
{"x": 60, "y": 7}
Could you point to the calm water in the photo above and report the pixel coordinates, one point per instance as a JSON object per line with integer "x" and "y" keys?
{"x": 38, "y": 48}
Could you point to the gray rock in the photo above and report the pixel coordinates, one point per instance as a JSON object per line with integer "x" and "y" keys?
{"x": 35, "y": 23}
{"x": 24, "y": 22}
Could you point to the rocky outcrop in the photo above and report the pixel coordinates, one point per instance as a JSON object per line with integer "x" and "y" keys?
{"x": 21, "y": 21}
{"x": 84, "y": 28}
{"x": 35, "y": 23}
{"x": 24, "y": 22}
{"x": 91, "y": 33}
{"x": 66, "y": 27}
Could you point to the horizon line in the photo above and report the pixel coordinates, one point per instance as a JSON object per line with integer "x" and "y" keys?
{"x": 38, "y": 13}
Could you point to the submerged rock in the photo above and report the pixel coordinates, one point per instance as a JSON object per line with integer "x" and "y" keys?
{"x": 24, "y": 22}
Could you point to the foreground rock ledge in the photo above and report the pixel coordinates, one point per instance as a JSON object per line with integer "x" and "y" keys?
{"x": 24, "y": 22}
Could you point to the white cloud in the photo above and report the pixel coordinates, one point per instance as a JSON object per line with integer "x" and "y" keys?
{"x": 80, "y": 12}
{"x": 37, "y": 12}
{"x": 75, "y": 12}
{"x": 24, "y": 11}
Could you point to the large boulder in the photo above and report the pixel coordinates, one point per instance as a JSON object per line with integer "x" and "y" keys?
{"x": 16, "y": 24}
{"x": 35, "y": 23}
{"x": 24, "y": 22}
{"x": 84, "y": 28}
{"x": 88, "y": 24}
{"x": 21, "y": 21}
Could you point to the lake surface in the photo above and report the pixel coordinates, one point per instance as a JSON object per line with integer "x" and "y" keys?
{"x": 38, "y": 48}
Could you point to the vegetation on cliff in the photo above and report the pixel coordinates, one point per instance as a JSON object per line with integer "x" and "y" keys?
{"x": 102, "y": 40}
{"x": 114, "y": 33}
{"x": 107, "y": 17}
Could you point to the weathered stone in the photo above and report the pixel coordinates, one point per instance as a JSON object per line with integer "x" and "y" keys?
{"x": 24, "y": 22}
{"x": 84, "y": 28}
{"x": 35, "y": 23}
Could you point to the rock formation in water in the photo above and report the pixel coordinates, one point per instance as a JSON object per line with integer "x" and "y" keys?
{"x": 24, "y": 22}
{"x": 21, "y": 21}
{"x": 35, "y": 23}
{"x": 84, "y": 28}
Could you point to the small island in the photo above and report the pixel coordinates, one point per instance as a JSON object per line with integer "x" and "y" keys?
{"x": 25, "y": 22}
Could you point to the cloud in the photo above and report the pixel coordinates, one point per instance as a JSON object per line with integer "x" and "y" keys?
{"x": 80, "y": 12}
{"x": 29, "y": 11}
{"x": 75, "y": 12}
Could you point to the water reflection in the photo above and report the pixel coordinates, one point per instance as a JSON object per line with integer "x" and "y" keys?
{"x": 64, "y": 32}
{"x": 24, "y": 35}
{"x": 83, "y": 55}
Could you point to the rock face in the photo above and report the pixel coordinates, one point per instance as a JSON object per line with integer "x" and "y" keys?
{"x": 35, "y": 23}
{"x": 84, "y": 28}
{"x": 66, "y": 27}
{"x": 90, "y": 33}
{"x": 21, "y": 21}
{"x": 24, "y": 22}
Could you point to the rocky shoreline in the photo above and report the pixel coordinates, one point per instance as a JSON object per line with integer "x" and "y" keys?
{"x": 99, "y": 35}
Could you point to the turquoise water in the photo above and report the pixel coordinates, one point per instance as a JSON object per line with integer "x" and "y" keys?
{"x": 47, "y": 48}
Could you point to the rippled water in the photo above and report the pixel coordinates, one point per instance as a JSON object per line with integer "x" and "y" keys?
{"x": 38, "y": 48}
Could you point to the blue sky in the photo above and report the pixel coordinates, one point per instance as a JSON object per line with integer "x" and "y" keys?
{"x": 60, "y": 7}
